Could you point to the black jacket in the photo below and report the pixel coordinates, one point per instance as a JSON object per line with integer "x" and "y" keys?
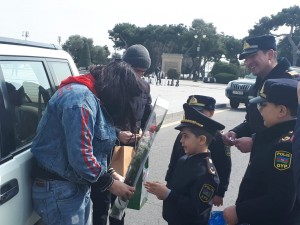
{"x": 142, "y": 108}
{"x": 220, "y": 156}
{"x": 267, "y": 192}
{"x": 253, "y": 120}
{"x": 193, "y": 184}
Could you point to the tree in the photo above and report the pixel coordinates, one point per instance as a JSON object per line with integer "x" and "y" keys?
{"x": 85, "y": 57}
{"x": 290, "y": 18}
{"x": 74, "y": 45}
{"x": 99, "y": 55}
{"x": 84, "y": 52}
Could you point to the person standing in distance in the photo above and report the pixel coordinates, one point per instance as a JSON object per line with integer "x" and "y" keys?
{"x": 74, "y": 138}
{"x": 260, "y": 57}
{"x": 139, "y": 59}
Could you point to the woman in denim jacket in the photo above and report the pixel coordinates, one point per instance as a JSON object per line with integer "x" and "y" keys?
{"x": 74, "y": 138}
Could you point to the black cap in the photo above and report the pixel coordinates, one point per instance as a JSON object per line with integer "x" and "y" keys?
{"x": 252, "y": 45}
{"x": 201, "y": 102}
{"x": 193, "y": 118}
{"x": 137, "y": 56}
{"x": 280, "y": 92}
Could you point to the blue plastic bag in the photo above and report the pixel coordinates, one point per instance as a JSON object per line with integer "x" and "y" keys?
{"x": 216, "y": 218}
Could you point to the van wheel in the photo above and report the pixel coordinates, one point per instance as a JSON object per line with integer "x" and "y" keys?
{"x": 234, "y": 104}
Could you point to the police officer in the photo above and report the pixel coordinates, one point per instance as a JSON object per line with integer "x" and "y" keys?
{"x": 188, "y": 194}
{"x": 267, "y": 192}
{"x": 260, "y": 57}
{"x": 220, "y": 153}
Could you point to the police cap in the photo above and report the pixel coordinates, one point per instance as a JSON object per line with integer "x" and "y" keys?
{"x": 252, "y": 45}
{"x": 280, "y": 92}
{"x": 193, "y": 118}
{"x": 201, "y": 102}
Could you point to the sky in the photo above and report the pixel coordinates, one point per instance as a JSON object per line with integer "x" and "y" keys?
{"x": 45, "y": 20}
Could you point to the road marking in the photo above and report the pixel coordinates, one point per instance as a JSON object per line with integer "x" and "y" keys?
{"x": 177, "y": 122}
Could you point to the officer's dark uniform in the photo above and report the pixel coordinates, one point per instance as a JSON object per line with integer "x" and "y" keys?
{"x": 267, "y": 192}
{"x": 194, "y": 180}
{"x": 253, "y": 120}
{"x": 220, "y": 154}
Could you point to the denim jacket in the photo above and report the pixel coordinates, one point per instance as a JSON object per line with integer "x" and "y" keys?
{"x": 75, "y": 135}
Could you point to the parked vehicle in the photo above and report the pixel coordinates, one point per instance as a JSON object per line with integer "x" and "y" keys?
{"x": 30, "y": 73}
{"x": 238, "y": 90}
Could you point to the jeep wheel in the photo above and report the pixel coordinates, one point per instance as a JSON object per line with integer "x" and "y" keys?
{"x": 234, "y": 104}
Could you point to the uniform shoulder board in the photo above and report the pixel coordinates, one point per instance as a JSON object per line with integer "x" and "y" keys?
{"x": 210, "y": 166}
{"x": 293, "y": 73}
{"x": 287, "y": 137}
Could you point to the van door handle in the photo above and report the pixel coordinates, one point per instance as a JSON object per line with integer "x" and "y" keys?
{"x": 8, "y": 190}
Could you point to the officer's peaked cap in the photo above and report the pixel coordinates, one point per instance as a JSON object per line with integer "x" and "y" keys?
{"x": 280, "y": 92}
{"x": 201, "y": 102}
{"x": 193, "y": 118}
{"x": 253, "y": 44}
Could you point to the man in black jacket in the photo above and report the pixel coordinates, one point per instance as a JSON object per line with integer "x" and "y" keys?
{"x": 260, "y": 57}
{"x": 139, "y": 59}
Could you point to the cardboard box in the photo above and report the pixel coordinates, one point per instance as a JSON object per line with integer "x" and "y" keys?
{"x": 121, "y": 159}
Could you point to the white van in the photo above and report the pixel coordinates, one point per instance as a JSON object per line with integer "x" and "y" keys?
{"x": 30, "y": 73}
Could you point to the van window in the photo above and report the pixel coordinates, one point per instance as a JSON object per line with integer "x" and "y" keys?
{"x": 27, "y": 91}
{"x": 60, "y": 70}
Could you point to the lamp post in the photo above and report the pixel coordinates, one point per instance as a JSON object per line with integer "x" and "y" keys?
{"x": 25, "y": 34}
{"x": 199, "y": 39}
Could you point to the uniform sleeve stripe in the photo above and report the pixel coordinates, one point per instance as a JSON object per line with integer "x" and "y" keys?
{"x": 87, "y": 153}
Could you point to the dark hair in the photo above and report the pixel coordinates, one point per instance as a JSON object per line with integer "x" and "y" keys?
{"x": 116, "y": 85}
{"x": 197, "y": 131}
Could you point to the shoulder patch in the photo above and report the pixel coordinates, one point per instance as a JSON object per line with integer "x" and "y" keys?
{"x": 287, "y": 137}
{"x": 206, "y": 192}
{"x": 282, "y": 160}
{"x": 210, "y": 166}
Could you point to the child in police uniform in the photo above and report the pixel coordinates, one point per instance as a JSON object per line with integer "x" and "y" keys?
{"x": 188, "y": 194}
{"x": 220, "y": 154}
{"x": 267, "y": 192}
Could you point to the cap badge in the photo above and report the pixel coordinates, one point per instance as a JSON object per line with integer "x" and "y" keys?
{"x": 262, "y": 90}
{"x": 246, "y": 45}
{"x": 194, "y": 101}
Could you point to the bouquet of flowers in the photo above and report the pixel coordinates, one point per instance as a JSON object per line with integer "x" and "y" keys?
{"x": 141, "y": 154}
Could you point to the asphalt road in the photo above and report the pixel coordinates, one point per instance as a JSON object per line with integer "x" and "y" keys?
{"x": 176, "y": 96}
{"x": 151, "y": 213}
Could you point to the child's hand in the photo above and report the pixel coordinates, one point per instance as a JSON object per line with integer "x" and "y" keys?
{"x": 217, "y": 200}
{"x": 230, "y": 215}
{"x": 157, "y": 188}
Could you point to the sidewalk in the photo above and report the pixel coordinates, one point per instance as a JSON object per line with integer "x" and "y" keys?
{"x": 177, "y": 96}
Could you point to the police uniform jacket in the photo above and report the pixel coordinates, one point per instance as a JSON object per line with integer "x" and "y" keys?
{"x": 267, "y": 192}
{"x": 253, "y": 120}
{"x": 193, "y": 184}
{"x": 296, "y": 155}
{"x": 220, "y": 156}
